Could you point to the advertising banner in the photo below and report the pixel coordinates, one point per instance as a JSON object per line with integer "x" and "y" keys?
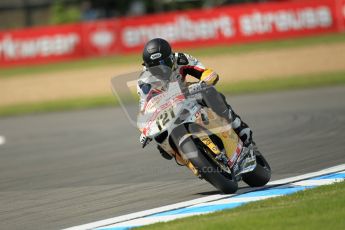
{"x": 196, "y": 28}
{"x": 244, "y": 23}
{"x": 101, "y": 37}
{"x": 40, "y": 45}
{"x": 341, "y": 14}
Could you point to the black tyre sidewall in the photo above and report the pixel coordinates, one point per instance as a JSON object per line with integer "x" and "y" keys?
{"x": 261, "y": 175}
{"x": 208, "y": 169}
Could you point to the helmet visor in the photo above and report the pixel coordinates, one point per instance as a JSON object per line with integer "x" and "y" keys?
{"x": 168, "y": 61}
{"x": 161, "y": 72}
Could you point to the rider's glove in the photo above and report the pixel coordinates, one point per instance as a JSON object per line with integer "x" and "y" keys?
{"x": 144, "y": 140}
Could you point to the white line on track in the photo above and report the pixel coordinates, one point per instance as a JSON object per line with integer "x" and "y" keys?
{"x": 136, "y": 215}
{"x": 2, "y": 140}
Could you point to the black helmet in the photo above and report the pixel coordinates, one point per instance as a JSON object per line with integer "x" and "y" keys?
{"x": 158, "y": 57}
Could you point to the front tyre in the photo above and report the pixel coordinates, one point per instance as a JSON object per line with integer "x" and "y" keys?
{"x": 260, "y": 175}
{"x": 207, "y": 168}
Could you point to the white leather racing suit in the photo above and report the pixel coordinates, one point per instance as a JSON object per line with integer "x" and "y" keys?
{"x": 185, "y": 64}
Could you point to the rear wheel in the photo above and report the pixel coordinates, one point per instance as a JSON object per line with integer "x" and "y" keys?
{"x": 207, "y": 168}
{"x": 260, "y": 175}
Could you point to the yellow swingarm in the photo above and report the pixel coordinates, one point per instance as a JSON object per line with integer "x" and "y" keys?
{"x": 209, "y": 143}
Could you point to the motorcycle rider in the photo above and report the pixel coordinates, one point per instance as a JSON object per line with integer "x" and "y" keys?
{"x": 159, "y": 59}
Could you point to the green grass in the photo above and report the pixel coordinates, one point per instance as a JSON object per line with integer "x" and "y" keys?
{"x": 199, "y": 52}
{"x": 288, "y": 83}
{"x": 58, "y": 105}
{"x": 269, "y": 45}
{"x": 319, "y": 208}
{"x": 258, "y": 86}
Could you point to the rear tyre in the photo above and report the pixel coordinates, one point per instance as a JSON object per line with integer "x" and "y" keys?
{"x": 207, "y": 168}
{"x": 260, "y": 175}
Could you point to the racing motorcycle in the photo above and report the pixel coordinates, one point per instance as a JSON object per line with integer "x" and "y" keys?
{"x": 200, "y": 139}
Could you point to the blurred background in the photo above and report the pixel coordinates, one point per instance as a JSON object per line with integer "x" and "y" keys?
{"x": 69, "y": 49}
{"x": 68, "y": 153}
{"x": 25, "y": 13}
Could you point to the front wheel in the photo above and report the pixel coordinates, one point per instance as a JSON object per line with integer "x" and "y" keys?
{"x": 260, "y": 175}
{"x": 207, "y": 168}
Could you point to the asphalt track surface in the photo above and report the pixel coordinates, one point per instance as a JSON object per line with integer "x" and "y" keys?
{"x": 65, "y": 169}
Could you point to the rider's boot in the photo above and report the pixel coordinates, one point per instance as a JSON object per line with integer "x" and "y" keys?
{"x": 241, "y": 129}
{"x": 217, "y": 102}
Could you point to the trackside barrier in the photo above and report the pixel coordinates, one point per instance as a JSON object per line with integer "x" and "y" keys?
{"x": 196, "y": 28}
